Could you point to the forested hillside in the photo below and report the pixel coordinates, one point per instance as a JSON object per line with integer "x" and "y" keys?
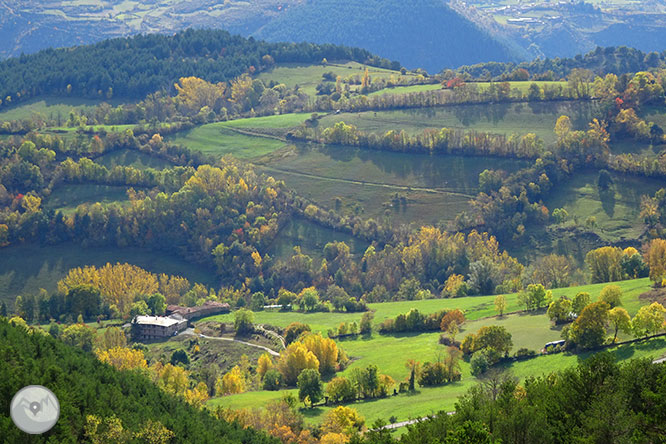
{"x": 426, "y": 34}
{"x": 99, "y": 402}
{"x": 133, "y": 67}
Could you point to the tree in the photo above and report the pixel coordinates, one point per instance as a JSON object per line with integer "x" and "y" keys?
{"x": 414, "y": 368}
{"x": 233, "y": 382}
{"x": 310, "y": 387}
{"x": 79, "y": 335}
{"x": 325, "y": 350}
{"x": 560, "y": 310}
{"x": 257, "y": 301}
{"x": 179, "y": 357}
{"x": 454, "y": 316}
{"x": 452, "y": 363}
{"x": 294, "y": 331}
{"x": 83, "y": 299}
{"x": 656, "y": 259}
{"x": 123, "y": 358}
{"x": 649, "y": 320}
{"x": 563, "y": 127}
{"x": 243, "y": 321}
{"x": 535, "y": 297}
{"x": 366, "y": 323}
{"x": 272, "y": 380}
{"x": 156, "y": 304}
{"x": 500, "y": 304}
{"x": 340, "y": 389}
{"x": 264, "y": 364}
{"x": 605, "y": 264}
{"x": 343, "y": 420}
{"x": 580, "y": 301}
{"x": 110, "y": 338}
{"x": 612, "y": 294}
{"x": 589, "y": 329}
{"x": 293, "y": 360}
{"x": 620, "y": 321}
{"x": 493, "y": 337}
{"x": 309, "y": 299}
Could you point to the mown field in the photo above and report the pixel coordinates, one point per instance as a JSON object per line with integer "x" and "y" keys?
{"x": 27, "y": 268}
{"x": 522, "y": 86}
{"x": 390, "y": 352}
{"x": 499, "y": 118}
{"x": 307, "y": 77}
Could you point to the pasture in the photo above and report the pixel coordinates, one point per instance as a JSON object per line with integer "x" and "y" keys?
{"x": 67, "y": 197}
{"x": 499, "y": 118}
{"x": 616, "y": 210}
{"x": 435, "y": 187}
{"x": 307, "y": 77}
{"x": 51, "y": 108}
{"x": 223, "y": 138}
{"x": 132, "y": 158}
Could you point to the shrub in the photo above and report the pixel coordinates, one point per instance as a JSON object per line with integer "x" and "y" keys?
{"x": 479, "y": 364}
{"x": 272, "y": 380}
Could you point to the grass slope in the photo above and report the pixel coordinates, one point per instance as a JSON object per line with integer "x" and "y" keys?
{"x": 27, "y": 268}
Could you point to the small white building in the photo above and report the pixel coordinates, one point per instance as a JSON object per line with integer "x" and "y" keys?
{"x": 157, "y": 327}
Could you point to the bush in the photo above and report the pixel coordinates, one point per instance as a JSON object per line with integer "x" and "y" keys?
{"x": 479, "y": 364}
{"x": 432, "y": 374}
{"x": 179, "y": 356}
{"x": 272, "y": 380}
{"x": 525, "y": 353}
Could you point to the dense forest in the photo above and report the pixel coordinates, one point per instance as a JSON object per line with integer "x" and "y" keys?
{"x": 136, "y": 66}
{"x": 609, "y": 60}
{"x": 100, "y": 403}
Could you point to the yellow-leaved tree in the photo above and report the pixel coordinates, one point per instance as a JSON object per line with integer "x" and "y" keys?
{"x": 231, "y": 383}
{"x": 123, "y": 358}
{"x": 264, "y": 363}
{"x": 293, "y": 360}
{"x": 171, "y": 379}
{"x": 326, "y": 351}
{"x": 195, "y": 93}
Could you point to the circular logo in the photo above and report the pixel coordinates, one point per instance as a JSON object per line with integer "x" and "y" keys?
{"x": 35, "y": 409}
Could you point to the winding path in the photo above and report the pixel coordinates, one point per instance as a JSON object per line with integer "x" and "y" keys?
{"x": 190, "y": 331}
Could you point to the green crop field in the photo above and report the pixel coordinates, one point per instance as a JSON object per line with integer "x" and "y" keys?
{"x": 27, "y": 268}
{"x": 67, "y": 197}
{"x": 222, "y": 138}
{"x": 500, "y": 118}
{"x": 307, "y": 77}
{"x": 616, "y": 210}
{"x": 51, "y": 108}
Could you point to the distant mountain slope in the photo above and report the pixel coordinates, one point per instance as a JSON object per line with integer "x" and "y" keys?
{"x": 418, "y": 33}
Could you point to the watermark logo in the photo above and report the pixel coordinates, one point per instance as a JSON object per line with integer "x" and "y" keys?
{"x": 35, "y": 409}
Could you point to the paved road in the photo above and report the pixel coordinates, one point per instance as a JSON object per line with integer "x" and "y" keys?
{"x": 190, "y": 331}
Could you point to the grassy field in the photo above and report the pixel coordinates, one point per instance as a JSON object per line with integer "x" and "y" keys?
{"x": 311, "y": 238}
{"x": 132, "y": 158}
{"x": 390, "y": 352}
{"x": 69, "y": 196}
{"x": 474, "y": 307}
{"x": 27, "y": 268}
{"x": 307, "y": 77}
{"x": 51, "y": 108}
{"x": 522, "y": 86}
{"x": 501, "y": 118}
{"x": 220, "y": 138}
{"x": 616, "y": 211}
{"x": 436, "y": 187}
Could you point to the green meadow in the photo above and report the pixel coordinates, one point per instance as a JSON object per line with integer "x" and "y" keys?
{"x": 499, "y": 118}
{"x": 51, "y": 108}
{"x": 616, "y": 210}
{"x": 67, "y": 197}
{"x": 307, "y": 77}
{"x": 390, "y": 352}
{"x": 224, "y": 138}
{"x": 132, "y": 158}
